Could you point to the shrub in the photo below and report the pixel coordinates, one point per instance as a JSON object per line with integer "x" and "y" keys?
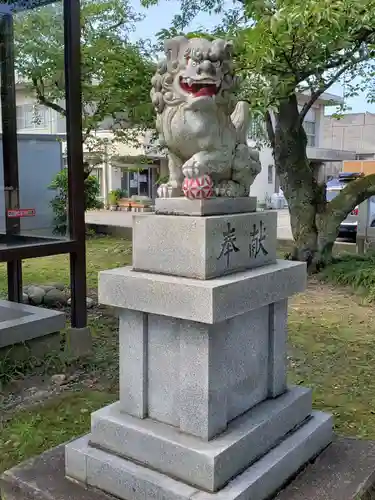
{"x": 60, "y": 202}
{"x": 114, "y": 196}
{"x": 357, "y": 271}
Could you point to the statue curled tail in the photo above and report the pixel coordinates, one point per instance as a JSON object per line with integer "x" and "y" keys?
{"x": 241, "y": 120}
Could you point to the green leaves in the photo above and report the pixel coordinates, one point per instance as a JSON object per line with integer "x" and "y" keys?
{"x": 116, "y": 74}
{"x": 289, "y": 42}
{"x": 59, "y": 203}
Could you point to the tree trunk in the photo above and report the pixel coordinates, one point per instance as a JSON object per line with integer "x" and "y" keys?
{"x": 314, "y": 222}
{"x": 298, "y": 180}
{"x": 314, "y": 232}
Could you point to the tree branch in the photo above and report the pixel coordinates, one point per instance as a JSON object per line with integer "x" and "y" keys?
{"x": 363, "y": 37}
{"x": 100, "y": 116}
{"x": 270, "y": 130}
{"x": 44, "y": 101}
{"x": 288, "y": 59}
{"x": 351, "y": 196}
{"x": 315, "y": 95}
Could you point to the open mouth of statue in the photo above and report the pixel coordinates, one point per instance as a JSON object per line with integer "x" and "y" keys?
{"x": 199, "y": 89}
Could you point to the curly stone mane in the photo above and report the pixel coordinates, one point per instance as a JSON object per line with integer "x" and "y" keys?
{"x": 177, "y": 51}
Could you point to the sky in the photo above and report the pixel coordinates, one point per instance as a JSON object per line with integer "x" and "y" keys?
{"x": 161, "y": 16}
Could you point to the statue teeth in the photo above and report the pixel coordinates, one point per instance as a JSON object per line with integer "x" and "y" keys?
{"x": 189, "y": 81}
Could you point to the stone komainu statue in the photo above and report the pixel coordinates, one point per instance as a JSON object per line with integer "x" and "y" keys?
{"x": 198, "y": 120}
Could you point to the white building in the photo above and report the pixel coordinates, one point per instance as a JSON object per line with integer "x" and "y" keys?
{"x": 266, "y": 183}
{"x": 353, "y": 131}
{"x": 39, "y": 119}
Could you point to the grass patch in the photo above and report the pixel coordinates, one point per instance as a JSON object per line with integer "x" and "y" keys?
{"x": 332, "y": 350}
{"x": 30, "y": 432}
{"x": 285, "y": 247}
{"x": 12, "y": 368}
{"x": 102, "y": 252}
{"x": 356, "y": 271}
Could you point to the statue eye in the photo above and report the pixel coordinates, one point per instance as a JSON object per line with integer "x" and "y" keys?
{"x": 217, "y": 64}
{"x": 193, "y": 63}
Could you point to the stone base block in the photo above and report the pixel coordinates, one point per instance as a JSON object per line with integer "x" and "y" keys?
{"x": 205, "y": 301}
{"x": 129, "y": 481}
{"x": 211, "y": 206}
{"x": 78, "y": 342}
{"x": 38, "y": 348}
{"x": 207, "y": 465}
{"x": 204, "y": 247}
{"x": 343, "y": 471}
{"x": 21, "y": 323}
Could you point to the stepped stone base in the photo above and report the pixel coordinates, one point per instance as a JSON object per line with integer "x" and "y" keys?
{"x": 130, "y": 481}
{"x": 343, "y": 471}
{"x": 205, "y": 464}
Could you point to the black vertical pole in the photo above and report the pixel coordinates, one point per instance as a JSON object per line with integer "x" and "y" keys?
{"x": 10, "y": 151}
{"x": 72, "y": 62}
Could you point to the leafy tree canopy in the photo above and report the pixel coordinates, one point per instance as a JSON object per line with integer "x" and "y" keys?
{"x": 115, "y": 72}
{"x": 284, "y": 45}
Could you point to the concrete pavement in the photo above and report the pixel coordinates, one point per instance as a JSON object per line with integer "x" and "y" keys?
{"x": 284, "y": 231}
{"x": 124, "y": 219}
{"x": 108, "y": 218}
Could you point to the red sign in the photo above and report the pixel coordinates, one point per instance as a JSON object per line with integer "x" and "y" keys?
{"x": 21, "y": 212}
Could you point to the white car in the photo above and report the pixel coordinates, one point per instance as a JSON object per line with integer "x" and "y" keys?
{"x": 349, "y": 226}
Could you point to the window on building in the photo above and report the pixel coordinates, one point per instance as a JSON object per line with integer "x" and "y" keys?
{"x": 98, "y": 173}
{"x": 32, "y": 116}
{"x": 310, "y": 130}
{"x": 309, "y": 124}
{"x": 365, "y": 156}
{"x": 270, "y": 174}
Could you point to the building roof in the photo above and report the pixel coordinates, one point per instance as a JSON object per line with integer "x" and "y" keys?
{"x": 327, "y": 99}
{"x": 327, "y": 155}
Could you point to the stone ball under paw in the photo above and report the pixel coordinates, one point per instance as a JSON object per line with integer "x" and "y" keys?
{"x": 199, "y": 188}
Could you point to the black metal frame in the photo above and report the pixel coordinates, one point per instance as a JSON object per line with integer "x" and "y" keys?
{"x": 18, "y": 247}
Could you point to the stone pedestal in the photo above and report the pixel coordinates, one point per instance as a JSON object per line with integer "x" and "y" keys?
{"x": 204, "y": 410}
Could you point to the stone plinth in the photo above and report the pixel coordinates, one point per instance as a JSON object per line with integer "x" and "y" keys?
{"x": 204, "y": 247}
{"x": 204, "y": 412}
{"x": 210, "y": 206}
{"x": 204, "y": 409}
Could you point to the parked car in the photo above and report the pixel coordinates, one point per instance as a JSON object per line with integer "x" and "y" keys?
{"x": 349, "y": 226}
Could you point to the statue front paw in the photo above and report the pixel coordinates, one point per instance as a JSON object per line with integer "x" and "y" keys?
{"x": 230, "y": 189}
{"x": 169, "y": 190}
{"x": 193, "y": 169}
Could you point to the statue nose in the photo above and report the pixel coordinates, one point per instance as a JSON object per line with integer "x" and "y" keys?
{"x": 206, "y": 67}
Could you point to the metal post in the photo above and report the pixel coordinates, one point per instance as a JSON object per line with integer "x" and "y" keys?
{"x": 72, "y": 63}
{"x": 10, "y": 151}
{"x": 362, "y": 228}
{"x": 105, "y": 176}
